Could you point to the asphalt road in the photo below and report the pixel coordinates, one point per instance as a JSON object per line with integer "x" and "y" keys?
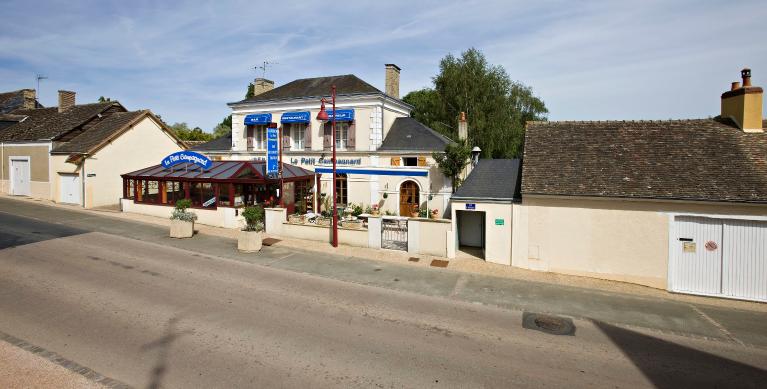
{"x": 153, "y": 315}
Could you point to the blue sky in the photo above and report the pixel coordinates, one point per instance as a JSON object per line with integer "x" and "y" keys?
{"x": 586, "y": 60}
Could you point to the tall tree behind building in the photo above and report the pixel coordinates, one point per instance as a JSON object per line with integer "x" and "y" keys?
{"x": 183, "y": 131}
{"x": 496, "y": 107}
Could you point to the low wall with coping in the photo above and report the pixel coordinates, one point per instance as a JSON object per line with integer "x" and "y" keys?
{"x": 220, "y": 217}
{"x": 277, "y": 225}
{"x": 429, "y": 236}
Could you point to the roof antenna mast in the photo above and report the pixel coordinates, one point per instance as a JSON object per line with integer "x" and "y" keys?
{"x": 39, "y": 77}
{"x": 263, "y": 67}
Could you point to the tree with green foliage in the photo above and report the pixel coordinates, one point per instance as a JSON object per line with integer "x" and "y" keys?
{"x": 103, "y": 99}
{"x": 223, "y": 128}
{"x": 251, "y": 91}
{"x": 453, "y": 160}
{"x": 496, "y": 107}
{"x": 196, "y": 134}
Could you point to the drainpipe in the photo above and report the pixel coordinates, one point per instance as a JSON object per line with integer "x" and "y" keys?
{"x": 2, "y": 161}
{"x": 82, "y": 167}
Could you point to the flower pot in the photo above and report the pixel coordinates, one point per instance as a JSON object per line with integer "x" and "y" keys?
{"x": 323, "y": 221}
{"x": 413, "y": 214}
{"x": 181, "y": 229}
{"x": 375, "y": 212}
{"x": 434, "y": 215}
{"x": 249, "y": 241}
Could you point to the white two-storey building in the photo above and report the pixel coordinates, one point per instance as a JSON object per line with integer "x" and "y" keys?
{"x": 384, "y": 156}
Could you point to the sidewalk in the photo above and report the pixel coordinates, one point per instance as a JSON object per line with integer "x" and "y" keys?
{"x": 20, "y": 368}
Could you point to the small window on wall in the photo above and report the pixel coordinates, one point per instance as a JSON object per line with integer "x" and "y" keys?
{"x": 297, "y": 134}
{"x": 342, "y": 189}
{"x": 409, "y": 161}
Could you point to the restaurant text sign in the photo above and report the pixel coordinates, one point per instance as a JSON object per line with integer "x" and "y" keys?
{"x": 186, "y": 157}
{"x": 272, "y": 151}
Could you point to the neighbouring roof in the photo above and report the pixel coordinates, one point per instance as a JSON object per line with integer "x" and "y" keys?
{"x": 104, "y": 130}
{"x": 492, "y": 179}
{"x": 700, "y": 160}
{"x": 347, "y": 84}
{"x": 219, "y": 170}
{"x": 224, "y": 143}
{"x": 407, "y": 134}
{"x": 10, "y": 101}
{"x": 48, "y": 123}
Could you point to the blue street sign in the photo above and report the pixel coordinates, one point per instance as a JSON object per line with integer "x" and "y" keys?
{"x": 272, "y": 152}
{"x": 471, "y": 206}
{"x": 187, "y": 156}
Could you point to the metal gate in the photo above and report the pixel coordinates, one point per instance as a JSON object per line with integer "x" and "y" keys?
{"x": 394, "y": 234}
{"x": 719, "y": 257}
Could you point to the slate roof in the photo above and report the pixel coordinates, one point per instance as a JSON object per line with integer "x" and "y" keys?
{"x": 701, "y": 160}
{"x": 408, "y": 134}
{"x": 347, "y": 84}
{"x": 10, "y": 101}
{"x": 48, "y": 123}
{"x": 94, "y": 136}
{"x": 223, "y": 143}
{"x": 497, "y": 179}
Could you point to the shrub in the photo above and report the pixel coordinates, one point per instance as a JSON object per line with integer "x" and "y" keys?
{"x": 423, "y": 212}
{"x": 301, "y": 207}
{"x": 356, "y": 209}
{"x": 180, "y": 212}
{"x": 254, "y": 218}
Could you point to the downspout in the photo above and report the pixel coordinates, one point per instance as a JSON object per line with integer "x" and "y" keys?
{"x": 2, "y": 161}
{"x": 85, "y": 156}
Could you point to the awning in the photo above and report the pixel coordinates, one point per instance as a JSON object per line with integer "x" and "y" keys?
{"x": 342, "y": 115}
{"x": 295, "y": 117}
{"x": 258, "y": 118}
{"x": 375, "y": 171}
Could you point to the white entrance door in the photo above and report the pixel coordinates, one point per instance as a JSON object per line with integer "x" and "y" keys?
{"x": 719, "y": 257}
{"x": 744, "y": 271}
{"x": 70, "y": 188}
{"x": 697, "y": 269}
{"x": 20, "y": 177}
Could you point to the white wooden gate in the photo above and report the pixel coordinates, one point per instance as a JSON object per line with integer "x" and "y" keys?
{"x": 20, "y": 176}
{"x": 70, "y": 188}
{"x": 719, "y": 257}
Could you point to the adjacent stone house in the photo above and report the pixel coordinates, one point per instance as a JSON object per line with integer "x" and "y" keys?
{"x": 63, "y": 152}
{"x": 676, "y": 204}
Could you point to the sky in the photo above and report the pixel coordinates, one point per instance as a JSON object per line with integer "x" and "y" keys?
{"x": 587, "y": 60}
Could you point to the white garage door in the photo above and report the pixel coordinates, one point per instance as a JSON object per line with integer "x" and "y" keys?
{"x": 20, "y": 177}
{"x": 719, "y": 257}
{"x": 70, "y": 188}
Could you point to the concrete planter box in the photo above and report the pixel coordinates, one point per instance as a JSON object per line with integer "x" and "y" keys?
{"x": 249, "y": 241}
{"x": 324, "y": 221}
{"x": 181, "y": 229}
{"x": 356, "y": 224}
{"x": 297, "y": 219}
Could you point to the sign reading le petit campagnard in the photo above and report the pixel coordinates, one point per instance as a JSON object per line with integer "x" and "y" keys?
{"x": 186, "y": 156}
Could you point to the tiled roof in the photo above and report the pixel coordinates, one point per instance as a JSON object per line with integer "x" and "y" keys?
{"x": 10, "y": 101}
{"x": 223, "y": 143}
{"x": 702, "y": 160}
{"x": 99, "y": 133}
{"x": 219, "y": 170}
{"x": 48, "y": 123}
{"x": 408, "y": 134}
{"x": 492, "y": 179}
{"x": 347, "y": 84}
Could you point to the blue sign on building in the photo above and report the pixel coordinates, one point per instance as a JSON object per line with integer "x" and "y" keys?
{"x": 187, "y": 156}
{"x": 471, "y": 206}
{"x": 272, "y": 151}
{"x": 295, "y": 117}
{"x": 258, "y": 118}
{"x": 342, "y": 115}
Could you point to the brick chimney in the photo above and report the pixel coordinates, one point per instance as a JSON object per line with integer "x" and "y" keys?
{"x": 392, "y": 80}
{"x": 66, "y": 100}
{"x": 30, "y": 99}
{"x": 261, "y": 85}
{"x": 743, "y": 104}
{"x": 463, "y": 127}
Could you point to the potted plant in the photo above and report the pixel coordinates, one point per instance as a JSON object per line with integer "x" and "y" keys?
{"x": 181, "y": 221}
{"x": 375, "y": 210}
{"x": 415, "y": 212}
{"x": 251, "y": 236}
{"x": 434, "y": 214}
{"x": 325, "y": 213}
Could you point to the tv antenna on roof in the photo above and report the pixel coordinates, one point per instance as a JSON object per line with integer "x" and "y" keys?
{"x": 39, "y": 77}
{"x": 263, "y": 67}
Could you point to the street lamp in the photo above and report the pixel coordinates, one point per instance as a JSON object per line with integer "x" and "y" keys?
{"x": 322, "y": 116}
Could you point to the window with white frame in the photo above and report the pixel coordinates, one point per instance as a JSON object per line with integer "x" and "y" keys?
{"x": 260, "y": 137}
{"x": 342, "y": 135}
{"x": 297, "y": 133}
